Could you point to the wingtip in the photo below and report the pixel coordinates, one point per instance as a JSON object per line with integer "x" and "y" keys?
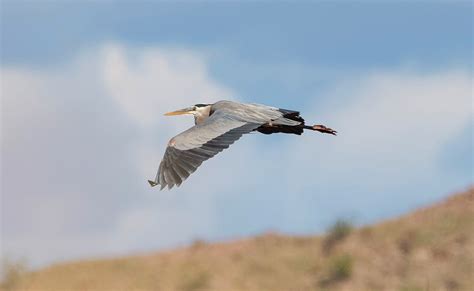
{"x": 152, "y": 183}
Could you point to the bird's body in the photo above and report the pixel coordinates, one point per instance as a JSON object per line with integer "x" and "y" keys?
{"x": 217, "y": 126}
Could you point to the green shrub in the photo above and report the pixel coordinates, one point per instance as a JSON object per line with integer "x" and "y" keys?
{"x": 339, "y": 269}
{"x": 13, "y": 271}
{"x": 336, "y": 233}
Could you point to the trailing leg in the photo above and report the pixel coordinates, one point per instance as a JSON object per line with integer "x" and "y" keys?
{"x": 321, "y": 128}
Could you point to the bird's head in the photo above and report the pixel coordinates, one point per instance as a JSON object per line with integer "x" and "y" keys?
{"x": 196, "y": 110}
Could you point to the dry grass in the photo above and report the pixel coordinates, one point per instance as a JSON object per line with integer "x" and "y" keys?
{"x": 431, "y": 249}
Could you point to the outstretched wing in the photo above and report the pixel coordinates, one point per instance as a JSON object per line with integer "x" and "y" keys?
{"x": 186, "y": 151}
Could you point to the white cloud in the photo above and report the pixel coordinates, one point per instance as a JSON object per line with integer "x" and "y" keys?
{"x": 152, "y": 81}
{"x": 79, "y": 141}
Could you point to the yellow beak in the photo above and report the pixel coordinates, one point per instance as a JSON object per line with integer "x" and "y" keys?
{"x": 180, "y": 112}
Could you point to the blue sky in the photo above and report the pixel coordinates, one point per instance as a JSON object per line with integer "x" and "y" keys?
{"x": 84, "y": 86}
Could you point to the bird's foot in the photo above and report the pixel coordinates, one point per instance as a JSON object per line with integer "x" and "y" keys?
{"x": 324, "y": 129}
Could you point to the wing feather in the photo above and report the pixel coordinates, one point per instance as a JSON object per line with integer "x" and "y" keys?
{"x": 188, "y": 150}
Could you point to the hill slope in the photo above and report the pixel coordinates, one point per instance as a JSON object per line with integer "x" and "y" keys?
{"x": 430, "y": 249}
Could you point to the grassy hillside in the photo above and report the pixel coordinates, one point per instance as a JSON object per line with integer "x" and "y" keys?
{"x": 430, "y": 249}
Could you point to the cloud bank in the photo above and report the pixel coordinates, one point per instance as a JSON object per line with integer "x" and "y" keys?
{"x": 79, "y": 141}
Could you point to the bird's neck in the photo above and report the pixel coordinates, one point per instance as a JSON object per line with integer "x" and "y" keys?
{"x": 202, "y": 114}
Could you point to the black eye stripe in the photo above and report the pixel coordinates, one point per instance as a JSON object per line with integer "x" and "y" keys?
{"x": 201, "y": 105}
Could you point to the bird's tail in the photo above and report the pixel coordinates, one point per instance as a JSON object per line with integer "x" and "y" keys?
{"x": 321, "y": 128}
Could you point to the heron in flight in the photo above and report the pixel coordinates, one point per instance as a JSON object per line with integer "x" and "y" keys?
{"x": 217, "y": 126}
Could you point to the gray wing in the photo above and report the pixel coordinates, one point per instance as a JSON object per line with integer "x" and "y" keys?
{"x": 186, "y": 151}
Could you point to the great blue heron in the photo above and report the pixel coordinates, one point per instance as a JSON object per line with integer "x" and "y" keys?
{"x": 217, "y": 126}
